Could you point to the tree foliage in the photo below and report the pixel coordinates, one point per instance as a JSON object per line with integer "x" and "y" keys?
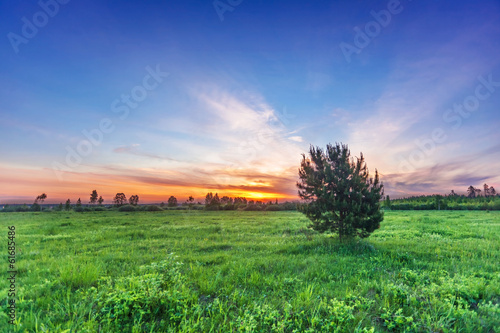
{"x": 172, "y": 201}
{"x": 41, "y": 198}
{"x": 133, "y": 200}
{"x": 213, "y": 202}
{"x": 35, "y": 207}
{"x": 93, "y": 197}
{"x": 338, "y": 193}
{"x": 120, "y": 199}
{"x": 489, "y": 191}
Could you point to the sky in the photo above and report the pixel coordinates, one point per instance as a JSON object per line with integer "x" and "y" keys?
{"x": 161, "y": 98}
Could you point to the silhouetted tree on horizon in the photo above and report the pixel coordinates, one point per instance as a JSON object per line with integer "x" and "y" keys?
{"x": 120, "y": 199}
{"x": 486, "y": 190}
{"x": 388, "y": 201}
{"x": 215, "y": 200}
{"x": 190, "y": 201}
{"x": 93, "y": 197}
{"x": 208, "y": 198}
{"x": 133, "y": 200}
{"x": 41, "y": 198}
{"x": 240, "y": 200}
{"x": 471, "y": 192}
{"x": 172, "y": 201}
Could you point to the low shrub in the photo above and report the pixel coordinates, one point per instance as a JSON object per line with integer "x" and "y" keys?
{"x": 273, "y": 208}
{"x": 8, "y": 209}
{"x": 228, "y": 207}
{"x": 253, "y": 207}
{"x": 153, "y": 208}
{"x": 35, "y": 207}
{"x": 23, "y": 208}
{"x": 289, "y": 206}
{"x": 158, "y": 298}
{"x": 127, "y": 208}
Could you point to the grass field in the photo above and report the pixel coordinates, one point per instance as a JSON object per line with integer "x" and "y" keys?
{"x": 425, "y": 271}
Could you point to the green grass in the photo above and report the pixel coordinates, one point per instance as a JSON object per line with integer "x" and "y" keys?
{"x": 427, "y": 271}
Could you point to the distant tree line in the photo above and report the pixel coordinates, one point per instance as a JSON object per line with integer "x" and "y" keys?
{"x": 473, "y": 192}
{"x": 475, "y": 199}
{"x": 214, "y": 202}
{"x": 121, "y": 203}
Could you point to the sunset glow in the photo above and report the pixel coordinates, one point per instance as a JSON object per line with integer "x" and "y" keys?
{"x": 166, "y": 98}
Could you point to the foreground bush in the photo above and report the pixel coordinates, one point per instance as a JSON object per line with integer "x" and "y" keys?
{"x": 160, "y": 299}
{"x": 155, "y": 300}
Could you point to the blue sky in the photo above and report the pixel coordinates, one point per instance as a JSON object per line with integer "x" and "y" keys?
{"x": 245, "y": 96}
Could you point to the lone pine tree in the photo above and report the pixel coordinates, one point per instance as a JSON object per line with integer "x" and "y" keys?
{"x": 338, "y": 193}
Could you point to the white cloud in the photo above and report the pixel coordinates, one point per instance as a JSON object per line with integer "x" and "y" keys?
{"x": 296, "y": 138}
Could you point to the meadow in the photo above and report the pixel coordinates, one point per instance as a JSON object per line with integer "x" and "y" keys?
{"x": 234, "y": 271}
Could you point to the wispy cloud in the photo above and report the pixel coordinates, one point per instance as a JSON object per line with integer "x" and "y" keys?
{"x": 248, "y": 130}
{"x": 134, "y": 150}
{"x": 296, "y": 138}
{"x": 457, "y": 173}
{"x": 418, "y": 91}
{"x": 243, "y": 148}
